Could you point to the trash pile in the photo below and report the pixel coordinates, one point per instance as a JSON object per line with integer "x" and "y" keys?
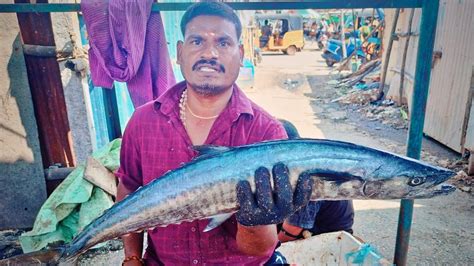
{"x": 361, "y": 91}
{"x": 367, "y": 77}
{"x": 361, "y": 88}
{"x": 9, "y": 244}
{"x": 388, "y": 114}
{"x": 462, "y": 180}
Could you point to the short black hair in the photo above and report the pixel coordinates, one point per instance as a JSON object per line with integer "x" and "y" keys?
{"x": 290, "y": 129}
{"x": 210, "y": 8}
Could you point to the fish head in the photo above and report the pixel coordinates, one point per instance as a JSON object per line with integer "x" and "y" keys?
{"x": 418, "y": 180}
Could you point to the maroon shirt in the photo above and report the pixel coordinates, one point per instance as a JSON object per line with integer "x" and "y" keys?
{"x": 155, "y": 142}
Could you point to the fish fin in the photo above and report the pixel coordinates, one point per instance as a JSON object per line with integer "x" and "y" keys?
{"x": 50, "y": 256}
{"x": 217, "y": 220}
{"x": 207, "y": 150}
{"x": 333, "y": 176}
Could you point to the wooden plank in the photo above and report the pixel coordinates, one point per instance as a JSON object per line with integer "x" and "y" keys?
{"x": 467, "y": 114}
{"x": 470, "y": 168}
{"x": 469, "y": 144}
{"x": 404, "y": 57}
{"x": 100, "y": 176}
{"x": 46, "y": 51}
{"x": 47, "y": 92}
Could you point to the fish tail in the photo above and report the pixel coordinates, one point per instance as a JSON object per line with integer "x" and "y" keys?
{"x": 41, "y": 257}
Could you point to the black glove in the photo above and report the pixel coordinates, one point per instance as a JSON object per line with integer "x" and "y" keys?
{"x": 267, "y": 206}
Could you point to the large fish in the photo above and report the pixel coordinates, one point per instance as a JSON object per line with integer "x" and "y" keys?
{"x": 206, "y": 187}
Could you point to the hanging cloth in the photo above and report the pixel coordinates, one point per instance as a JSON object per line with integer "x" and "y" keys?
{"x": 128, "y": 44}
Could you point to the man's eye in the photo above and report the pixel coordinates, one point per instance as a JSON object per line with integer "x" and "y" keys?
{"x": 196, "y": 42}
{"x": 224, "y": 44}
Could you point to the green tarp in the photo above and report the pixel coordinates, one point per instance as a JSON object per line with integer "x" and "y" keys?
{"x": 72, "y": 205}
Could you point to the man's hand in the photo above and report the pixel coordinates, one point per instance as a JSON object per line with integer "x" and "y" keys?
{"x": 133, "y": 242}
{"x": 269, "y": 206}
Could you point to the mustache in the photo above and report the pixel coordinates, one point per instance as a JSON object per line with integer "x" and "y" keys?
{"x": 208, "y": 62}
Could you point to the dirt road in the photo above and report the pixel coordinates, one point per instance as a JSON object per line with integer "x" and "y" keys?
{"x": 294, "y": 88}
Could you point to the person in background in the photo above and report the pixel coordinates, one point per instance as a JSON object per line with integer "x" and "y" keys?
{"x": 306, "y": 29}
{"x": 313, "y": 31}
{"x": 266, "y": 31}
{"x": 364, "y": 31}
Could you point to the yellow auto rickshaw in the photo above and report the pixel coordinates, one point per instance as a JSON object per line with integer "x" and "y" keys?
{"x": 280, "y": 32}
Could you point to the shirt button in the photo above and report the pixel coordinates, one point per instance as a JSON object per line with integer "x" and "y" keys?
{"x": 195, "y": 261}
{"x": 193, "y": 229}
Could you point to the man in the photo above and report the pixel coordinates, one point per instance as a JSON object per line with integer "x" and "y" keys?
{"x": 266, "y": 31}
{"x": 318, "y": 217}
{"x": 314, "y": 31}
{"x": 208, "y": 108}
{"x": 365, "y": 30}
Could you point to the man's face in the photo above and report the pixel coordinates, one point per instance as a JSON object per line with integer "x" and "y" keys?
{"x": 210, "y": 56}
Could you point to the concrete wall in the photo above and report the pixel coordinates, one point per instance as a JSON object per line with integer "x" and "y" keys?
{"x": 22, "y": 184}
{"x": 76, "y": 90}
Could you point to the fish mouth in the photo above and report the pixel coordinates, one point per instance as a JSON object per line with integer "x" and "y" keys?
{"x": 437, "y": 190}
{"x": 443, "y": 189}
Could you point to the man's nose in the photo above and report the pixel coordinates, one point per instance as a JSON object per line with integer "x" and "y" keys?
{"x": 210, "y": 52}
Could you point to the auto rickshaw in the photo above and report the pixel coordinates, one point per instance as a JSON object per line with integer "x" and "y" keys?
{"x": 280, "y": 32}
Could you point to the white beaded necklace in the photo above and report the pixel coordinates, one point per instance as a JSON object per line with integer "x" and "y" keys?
{"x": 183, "y": 106}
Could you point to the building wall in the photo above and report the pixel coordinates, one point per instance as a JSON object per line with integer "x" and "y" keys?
{"x": 451, "y": 73}
{"x": 22, "y": 180}
{"x": 22, "y": 183}
{"x": 76, "y": 89}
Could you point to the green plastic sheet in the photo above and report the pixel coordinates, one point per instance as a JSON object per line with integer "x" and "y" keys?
{"x": 72, "y": 205}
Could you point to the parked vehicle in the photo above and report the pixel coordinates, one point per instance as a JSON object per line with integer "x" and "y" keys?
{"x": 281, "y": 32}
{"x": 333, "y": 52}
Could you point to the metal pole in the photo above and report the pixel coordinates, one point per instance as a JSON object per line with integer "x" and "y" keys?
{"x": 343, "y": 37}
{"x": 267, "y": 5}
{"x": 429, "y": 17}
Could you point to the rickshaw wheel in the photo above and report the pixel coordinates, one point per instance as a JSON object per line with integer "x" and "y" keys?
{"x": 330, "y": 63}
{"x": 291, "y": 50}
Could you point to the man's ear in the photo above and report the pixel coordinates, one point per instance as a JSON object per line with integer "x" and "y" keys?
{"x": 242, "y": 52}
{"x": 179, "y": 48}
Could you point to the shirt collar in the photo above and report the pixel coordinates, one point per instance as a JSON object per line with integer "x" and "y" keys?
{"x": 167, "y": 103}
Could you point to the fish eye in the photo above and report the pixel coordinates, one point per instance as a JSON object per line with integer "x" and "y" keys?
{"x": 416, "y": 181}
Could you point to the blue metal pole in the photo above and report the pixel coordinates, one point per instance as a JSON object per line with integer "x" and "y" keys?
{"x": 429, "y": 17}
{"x": 268, "y": 5}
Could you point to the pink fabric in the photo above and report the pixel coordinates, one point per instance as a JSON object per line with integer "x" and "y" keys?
{"x": 146, "y": 155}
{"x": 127, "y": 43}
